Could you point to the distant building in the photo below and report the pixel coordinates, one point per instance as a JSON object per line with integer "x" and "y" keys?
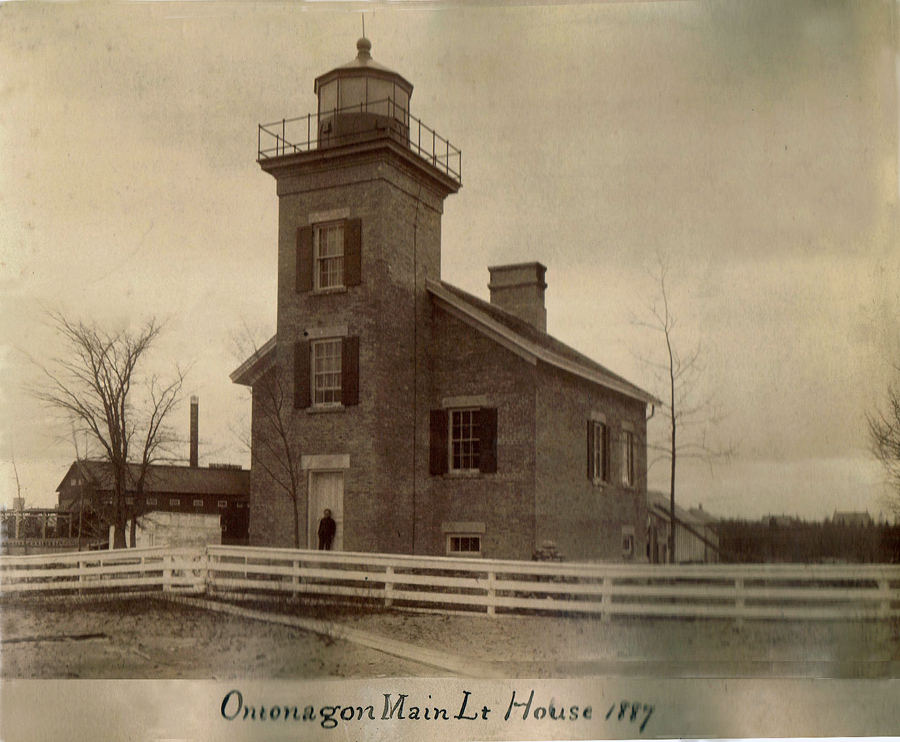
{"x": 696, "y": 540}
{"x": 223, "y": 491}
{"x": 220, "y": 489}
{"x": 427, "y": 420}
{"x": 852, "y": 518}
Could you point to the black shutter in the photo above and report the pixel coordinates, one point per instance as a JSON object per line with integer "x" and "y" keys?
{"x": 350, "y": 371}
{"x": 440, "y": 454}
{"x": 487, "y": 438}
{"x": 302, "y": 398}
{"x": 353, "y": 252}
{"x": 304, "y": 259}
{"x": 590, "y": 450}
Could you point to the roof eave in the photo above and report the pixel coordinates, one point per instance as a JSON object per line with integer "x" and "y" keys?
{"x": 256, "y": 365}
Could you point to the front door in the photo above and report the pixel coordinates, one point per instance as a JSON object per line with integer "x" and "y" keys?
{"x": 326, "y": 491}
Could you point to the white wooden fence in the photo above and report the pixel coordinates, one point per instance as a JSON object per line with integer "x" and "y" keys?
{"x": 121, "y": 570}
{"x": 800, "y": 592}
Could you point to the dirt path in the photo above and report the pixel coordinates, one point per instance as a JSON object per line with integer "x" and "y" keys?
{"x": 148, "y": 638}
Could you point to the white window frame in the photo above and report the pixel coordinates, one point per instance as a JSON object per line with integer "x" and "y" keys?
{"x": 174, "y": 502}
{"x": 464, "y": 552}
{"x": 151, "y": 501}
{"x": 329, "y": 395}
{"x": 198, "y": 503}
{"x": 223, "y": 503}
{"x": 628, "y": 465}
{"x": 473, "y": 457}
{"x": 328, "y": 268}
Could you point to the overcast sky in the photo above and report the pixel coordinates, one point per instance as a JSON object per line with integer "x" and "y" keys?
{"x": 754, "y": 143}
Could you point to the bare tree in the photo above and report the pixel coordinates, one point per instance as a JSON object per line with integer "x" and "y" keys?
{"x": 884, "y": 436}
{"x": 273, "y": 451}
{"x": 98, "y": 384}
{"x": 689, "y": 413}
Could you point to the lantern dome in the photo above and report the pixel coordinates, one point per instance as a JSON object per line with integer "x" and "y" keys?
{"x": 360, "y": 98}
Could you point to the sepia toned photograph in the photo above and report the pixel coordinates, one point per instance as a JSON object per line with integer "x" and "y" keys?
{"x": 452, "y": 371}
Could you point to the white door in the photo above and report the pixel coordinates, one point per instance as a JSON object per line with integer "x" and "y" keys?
{"x": 326, "y": 491}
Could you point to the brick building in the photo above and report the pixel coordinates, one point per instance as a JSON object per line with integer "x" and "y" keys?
{"x": 428, "y": 421}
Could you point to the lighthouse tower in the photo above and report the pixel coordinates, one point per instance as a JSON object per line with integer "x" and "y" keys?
{"x": 361, "y": 185}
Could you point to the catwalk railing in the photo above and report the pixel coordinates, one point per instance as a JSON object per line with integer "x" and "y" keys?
{"x": 774, "y": 592}
{"x": 364, "y": 122}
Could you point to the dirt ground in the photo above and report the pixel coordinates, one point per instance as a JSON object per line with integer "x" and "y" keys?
{"x": 149, "y": 638}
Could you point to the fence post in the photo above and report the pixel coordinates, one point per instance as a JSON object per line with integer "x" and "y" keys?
{"x": 388, "y": 587}
{"x": 739, "y": 602}
{"x": 80, "y": 575}
{"x": 606, "y": 601}
{"x": 167, "y": 573}
{"x": 884, "y": 606}
{"x": 492, "y": 593}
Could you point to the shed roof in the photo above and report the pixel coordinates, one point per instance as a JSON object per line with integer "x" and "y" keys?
{"x": 165, "y": 479}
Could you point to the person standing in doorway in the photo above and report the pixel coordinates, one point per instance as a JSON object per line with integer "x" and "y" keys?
{"x": 327, "y": 529}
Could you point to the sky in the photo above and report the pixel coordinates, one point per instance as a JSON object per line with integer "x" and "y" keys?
{"x": 751, "y": 144}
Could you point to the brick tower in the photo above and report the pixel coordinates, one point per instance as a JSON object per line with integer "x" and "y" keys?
{"x": 361, "y": 185}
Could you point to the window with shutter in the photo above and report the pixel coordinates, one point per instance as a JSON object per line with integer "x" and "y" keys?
{"x": 438, "y": 447}
{"x": 464, "y": 440}
{"x": 627, "y": 458}
{"x": 350, "y": 371}
{"x": 598, "y": 452}
{"x": 304, "y": 259}
{"x": 329, "y": 255}
{"x": 302, "y": 398}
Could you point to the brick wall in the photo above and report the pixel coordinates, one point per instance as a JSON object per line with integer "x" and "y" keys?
{"x": 467, "y": 363}
{"x": 583, "y": 518}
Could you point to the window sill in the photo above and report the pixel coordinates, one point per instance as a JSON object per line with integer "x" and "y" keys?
{"x": 600, "y": 483}
{"x": 332, "y": 290}
{"x": 322, "y": 408}
{"x": 463, "y": 474}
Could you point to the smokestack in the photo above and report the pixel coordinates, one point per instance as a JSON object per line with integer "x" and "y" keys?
{"x": 195, "y": 434}
{"x": 519, "y": 289}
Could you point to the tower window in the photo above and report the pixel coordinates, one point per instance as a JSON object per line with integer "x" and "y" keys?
{"x": 326, "y": 367}
{"x": 329, "y": 255}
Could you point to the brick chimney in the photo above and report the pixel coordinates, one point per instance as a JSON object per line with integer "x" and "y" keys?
{"x": 195, "y": 430}
{"x": 519, "y": 289}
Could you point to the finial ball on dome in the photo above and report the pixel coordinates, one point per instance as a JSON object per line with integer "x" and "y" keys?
{"x": 364, "y": 47}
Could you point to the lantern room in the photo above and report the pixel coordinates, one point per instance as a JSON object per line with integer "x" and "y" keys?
{"x": 361, "y": 100}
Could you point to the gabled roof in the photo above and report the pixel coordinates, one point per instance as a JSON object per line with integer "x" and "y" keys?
{"x": 256, "y": 365}
{"x": 165, "y": 479}
{"x": 527, "y": 341}
{"x": 659, "y": 504}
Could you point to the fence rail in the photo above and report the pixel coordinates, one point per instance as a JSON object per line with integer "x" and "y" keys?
{"x": 799, "y": 592}
{"x": 181, "y": 570}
